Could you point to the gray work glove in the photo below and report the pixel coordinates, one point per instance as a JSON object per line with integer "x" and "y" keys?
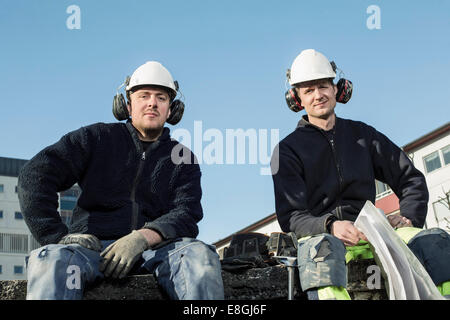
{"x": 120, "y": 256}
{"x": 86, "y": 240}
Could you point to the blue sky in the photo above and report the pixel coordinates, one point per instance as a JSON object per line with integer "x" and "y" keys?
{"x": 230, "y": 58}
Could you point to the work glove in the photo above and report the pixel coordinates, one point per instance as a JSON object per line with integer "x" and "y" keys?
{"x": 120, "y": 256}
{"x": 398, "y": 221}
{"x": 86, "y": 240}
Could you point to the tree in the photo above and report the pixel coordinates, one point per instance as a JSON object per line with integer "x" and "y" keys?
{"x": 445, "y": 201}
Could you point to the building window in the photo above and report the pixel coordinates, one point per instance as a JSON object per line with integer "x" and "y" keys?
{"x": 446, "y": 154}
{"x": 441, "y": 211}
{"x": 13, "y": 243}
{"x": 18, "y": 269}
{"x": 381, "y": 189}
{"x": 16, "y": 189}
{"x": 18, "y": 215}
{"x": 1, "y": 188}
{"x": 68, "y": 199}
{"x": 1, "y": 214}
{"x": 67, "y": 202}
{"x": 0, "y": 269}
{"x": 432, "y": 162}
{"x": 33, "y": 243}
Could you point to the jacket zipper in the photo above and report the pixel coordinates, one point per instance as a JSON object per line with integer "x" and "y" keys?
{"x": 333, "y": 149}
{"x": 341, "y": 180}
{"x": 135, "y": 206}
{"x": 338, "y": 168}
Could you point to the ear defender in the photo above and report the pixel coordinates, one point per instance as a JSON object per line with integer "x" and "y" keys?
{"x": 343, "y": 95}
{"x": 119, "y": 110}
{"x": 119, "y": 107}
{"x": 176, "y": 112}
{"x": 344, "y": 87}
{"x": 293, "y": 101}
{"x": 344, "y": 90}
{"x": 176, "y": 109}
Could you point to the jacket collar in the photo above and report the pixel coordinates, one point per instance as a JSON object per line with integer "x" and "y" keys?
{"x": 164, "y": 137}
{"x": 304, "y": 123}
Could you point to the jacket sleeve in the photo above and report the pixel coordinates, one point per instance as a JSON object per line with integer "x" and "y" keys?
{"x": 185, "y": 209}
{"x": 291, "y": 195}
{"x": 54, "y": 169}
{"x": 393, "y": 166}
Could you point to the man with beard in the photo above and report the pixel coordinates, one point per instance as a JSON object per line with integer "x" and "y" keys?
{"x": 138, "y": 209}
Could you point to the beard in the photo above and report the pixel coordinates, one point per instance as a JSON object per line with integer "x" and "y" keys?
{"x": 153, "y": 133}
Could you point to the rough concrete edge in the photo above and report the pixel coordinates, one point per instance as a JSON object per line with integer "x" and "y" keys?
{"x": 16, "y": 289}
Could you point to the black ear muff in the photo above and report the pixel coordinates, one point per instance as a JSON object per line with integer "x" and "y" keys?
{"x": 293, "y": 100}
{"x": 119, "y": 108}
{"x": 344, "y": 90}
{"x": 176, "y": 112}
{"x": 344, "y": 87}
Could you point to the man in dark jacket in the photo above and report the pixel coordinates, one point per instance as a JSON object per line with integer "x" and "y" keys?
{"x": 325, "y": 171}
{"x": 139, "y": 206}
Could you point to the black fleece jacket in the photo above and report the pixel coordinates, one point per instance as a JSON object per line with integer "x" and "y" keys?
{"x": 317, "y": 174}
{"x": 124, "y": 187}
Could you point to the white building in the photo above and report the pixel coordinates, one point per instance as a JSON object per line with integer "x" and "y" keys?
{"x": 430, "y": 154}
{"x": 16, "y": 241}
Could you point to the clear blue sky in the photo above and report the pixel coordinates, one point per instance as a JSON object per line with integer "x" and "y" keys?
{"x": 230, "y": 58}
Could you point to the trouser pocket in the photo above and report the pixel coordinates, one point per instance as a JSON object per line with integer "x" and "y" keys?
{"x": 321, "y": 262}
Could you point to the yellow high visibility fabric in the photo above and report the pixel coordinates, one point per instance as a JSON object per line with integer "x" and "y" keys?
{"x": 333, "y": 293}
{"x": 363, "y": 251}
{"x": 360, "y": 251}
{"x": 407, "y": 233}
{"x": 444, "y": 288}
{"x": 304, "y": 238}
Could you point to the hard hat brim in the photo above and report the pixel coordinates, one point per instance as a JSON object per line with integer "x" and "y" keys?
{"x": 172, "y": 93}
{"x": 294, "y": 81}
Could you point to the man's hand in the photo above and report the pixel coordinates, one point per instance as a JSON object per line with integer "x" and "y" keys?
{"x": 152, "y": 236}
{"x": 86, "y": 240}
{"x": 347, "y": 232}
{"x": 398, "y": 221}
{"x": 120, "y": 256}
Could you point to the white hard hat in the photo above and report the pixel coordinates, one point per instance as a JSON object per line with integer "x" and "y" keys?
{"x": 310, "y": 65}
{"x": 152, "y": 73}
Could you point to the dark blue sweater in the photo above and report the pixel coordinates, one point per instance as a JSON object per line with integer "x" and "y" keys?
{"x": 123, "y": 186}
{"x": 319, "y": 174}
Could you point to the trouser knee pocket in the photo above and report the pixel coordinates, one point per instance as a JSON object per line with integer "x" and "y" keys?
{"x": 322, "y": 262}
